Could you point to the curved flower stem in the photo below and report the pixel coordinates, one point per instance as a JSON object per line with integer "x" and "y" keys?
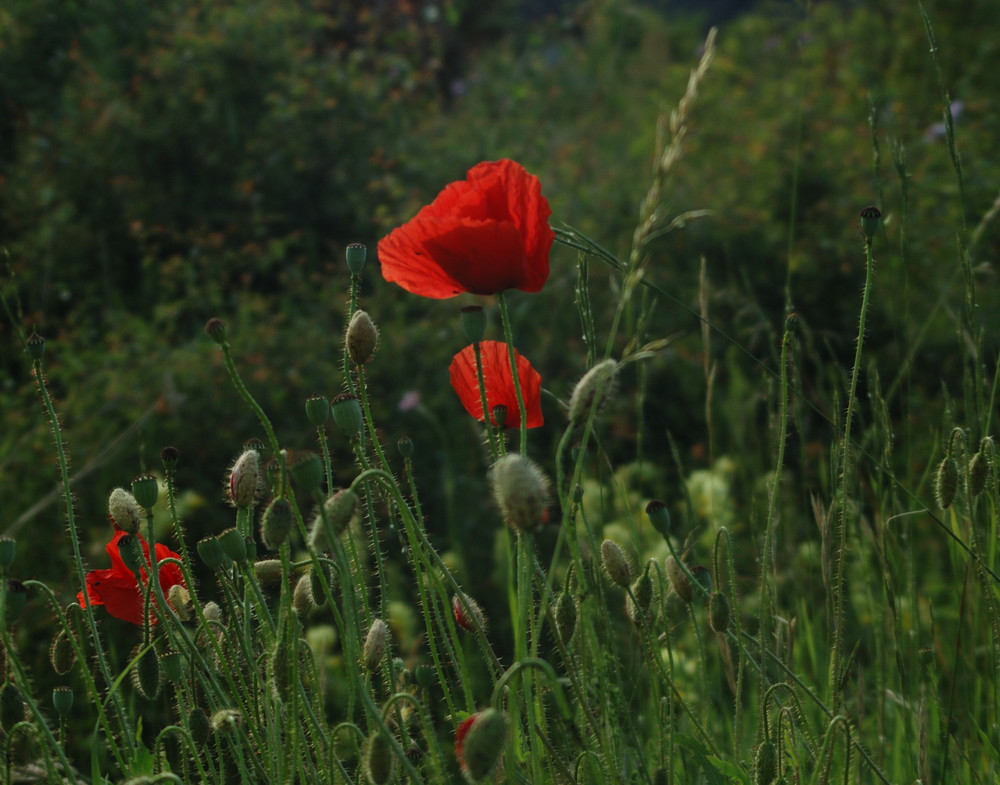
{"x": 508, "y": 335}
{"x": 125, "y": 727}
{"x": 241, "y": 388}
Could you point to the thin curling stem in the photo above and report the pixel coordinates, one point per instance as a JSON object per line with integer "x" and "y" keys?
{"x": 241, "y": 388}
{"x": 838, "y": 587}
{"x": 509, "y": 338}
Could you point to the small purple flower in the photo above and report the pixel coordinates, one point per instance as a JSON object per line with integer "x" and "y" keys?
{"x": 409, "y": 401}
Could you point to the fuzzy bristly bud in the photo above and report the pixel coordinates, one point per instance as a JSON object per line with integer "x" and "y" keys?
{"x": 946, "y": 482}
{"x": 765, "y": 764}
{"x": 375, "y": 645}
{"x": 216, "y": 329}
{"x": 679, "y": 580}
{"x": 659, "y": 517}
{"x": 357, "y": 254}
{"x": 718, "y": 612}
{"x": 479, "y": 741}
{"x": 62, "y": 655}
{"x": 169, "y": 456}
{"x": 302, "y": 597}
{"x": 473, "y": 323}
{"x": 225, "y": 721}
{"x": 318, "y": 409}
{"x": 347, "y": 414}
{"x": 521, "y": 491}
{"x": 566, "y": 613}
{"x": 500, "y": 415}
{"x": 307, "y": 471}
{"x": 642, "y": 590}
{"x": 172, "y": 666}
{"x": 179, "y": 599}
{"x": 277, "y": 672}
{"x": 338, "y": 511}
{"x": 268, "y": 571}
{"x": 276, "y": 523}
{"x": 615, "y": 564}
{"x": 379, "y": 762}
{"x": 362, "y": 338}
{"x": 62, "y": 700}
{"x": 468, "y": 615}
{"x": 870, "y": 217}
{"x": 246, "y": 481}
{"x": 316, "y": 580}
{"x": 146, "y": 490}
{"x": 146, "y": 673}
{"x": 199, "y": 725}
{"x": 979, "y": 473}
{"x": 594, "y": 389}
{"x": 124, "y": 510}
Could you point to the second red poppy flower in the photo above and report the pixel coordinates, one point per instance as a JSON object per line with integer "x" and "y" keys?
{"x": 499, "y": 381}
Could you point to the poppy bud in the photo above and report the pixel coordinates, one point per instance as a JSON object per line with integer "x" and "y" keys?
{"x": 302, "y": 597}
{"x": 362, "y": 338}
{"x": 276, "y": 523}
{"x": 124, "y": 510}
{"x": 245, "y": 480}
{"x": 594, "y": 389}
{"x": 316, "y": 580}
{"x": 216, "y": 329}
{"x": 145, "y": 490}
{"x": 212, "y": 611}
{"x": 35, "y": 346}
{"x": 307, "y": 471}
{"x": 318, "y": 409}
{"x": 268, "y": 571}
{"x": 278, "y": 676}
{"x": 146, "y": 674}
{"x": 474, "y": 323}
{"x": 179, "y": 599}
{"x": 946, "y": 482}
{"x": 375, "y": 643}
{"x": 869, "y": 222}
{"x": 62, "y": 700}
{"x": 979, "y": 473}
{"x": 338, "y": 510}
{"x": 615, "y": 564}
{"x": 765, "y": 763}
{"x": 347, "y": 414}
{"x": 130, "y": 549}
{"x": 679, "y": 580}
{"x": 357, "y": 254}
{"x": 379, "y": 760}
{"x": 566, "y": 613}
{"x": 62, "y": 655}
{"x": 199, "y": 726}
{"x": 521, "y": 491}
{"x": 659, "y": 516}
{"x": 642, "y": 591}
{"x": 469, "y": 616}
{"x": 479, "y": 741}
{"x": 499, "y": 415}
{"x": 405, "y": 446}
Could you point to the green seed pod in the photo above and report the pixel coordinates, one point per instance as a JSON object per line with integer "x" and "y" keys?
{"x": 615, "y": 564}
{"x": 172, "y": 666}
{"x": 379, "y": 759}
{"x": 146, "y": 673}
{"x": 405, "y": 446}
{"x": 765, "y": 763}
{"x": 318, "y": 409}
{"x": 347, "y": 415}
{"x": 718, "y": 612}
{"x": 521, "y": 491}
{"x": 946, "y": 482}
{"x": 659, "y": 516}
{"x": 216, "y": 329}
{"x": 473, "y": 323}
{"x": 169, "y": 456}
{"x": 62, "y": 654}
{"x": 146, "y": 490}
{"x": 869, "y": 222}
{"x": 362, "y": 338}
{"x": 979, "y": 473}
{"x": 62, "y": 700}
{"x": 211, "y": 553}
{"x": 35, "y": 346}
{"x": 307, "y": 471}
{"x": 566, "y": 613}
{"x": 234, "y": 545}
{"x": 356, "y": 254}
{"x": 479, "y": 742}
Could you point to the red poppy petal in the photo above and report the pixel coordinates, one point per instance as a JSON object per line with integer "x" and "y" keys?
{"x": 118, "y": 593}
{"x": 499, "y": 383}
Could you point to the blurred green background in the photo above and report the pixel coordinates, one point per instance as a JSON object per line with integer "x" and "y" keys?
{"x": 163, "y": 163}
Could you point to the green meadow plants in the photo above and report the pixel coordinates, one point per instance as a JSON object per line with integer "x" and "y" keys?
{"x": 781, "y": 599}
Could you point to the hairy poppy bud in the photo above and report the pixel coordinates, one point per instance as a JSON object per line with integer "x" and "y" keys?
{"x": 362, "y": 338}
{"x": 35, "y": 346}
{"x": 268, "y": 571}
{"x": 62, "y": 655}
{"x": 124, "y": 510}
{"x": 336, "y": 515}
{"x": 679, "y": 580}
{"x": 276, "y": 523}
{"x": 979, "y": 473}
{"x": 375, "y": 644}
{"x": 302, "y": 597}
{"x": 307, "y": 471}
{"x": 615, "y": 564}
{"x": 468, "y": 615}
{"x": 225, "y": 721}
{"x": 479, "y": 741}
{"x": 347, "y": 414}
{"x": 765, "y": 763}
{"x": 594, "y": 389}
{"x": 642, "y": 590}
{"x": 566, "y": 613}
{"x": 521, "y": 491}
{"x": 379, "y": 762}
{"x": 278, "y": 671}
{"x": 946, "y": 482}
{"x": 246, "y": 480}
{"x": 659, "y": 516}
{"x": 146, "y": 673}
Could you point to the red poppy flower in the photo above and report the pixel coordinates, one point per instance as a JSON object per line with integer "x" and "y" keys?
{"x": 499, "y": 381}
{"x": 484, "y": 235}
{"x": 117, "y": 590}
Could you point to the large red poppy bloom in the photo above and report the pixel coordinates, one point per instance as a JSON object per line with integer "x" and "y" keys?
{"x": 484, "y": 235}
{"x": 117, "y": 590}
{"x": 499, "y": 381}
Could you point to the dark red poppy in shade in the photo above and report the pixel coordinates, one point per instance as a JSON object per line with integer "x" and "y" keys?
{"x": 482, "y": 235}
{"x": 499, "y": 381}
{"x": 117, "y": 590}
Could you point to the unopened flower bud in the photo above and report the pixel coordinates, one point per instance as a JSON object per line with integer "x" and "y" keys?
{"x": 356, "y": 254}
{"x": 375, "y": 644}
{"x": 62, "y": 655}
{"x": 642, "y": 590}
{"x": 718, "y": 612}
{"x": 276, "y": 523}
{"x": 307, "y": 471}
{"x": 405, "y": 446}
{"x": 199, "y": 725}
{"x": 124, "y": 510}
{"x": 210, "y": 550}
{"x": 277, "y": 671}
{"x": 615, "y": 564}
{"x": 180, "y": 600}
{"x": 979, "y": 473}
{"x": 212, "y": 611}
{"x": 479, "y": 741}
{"x": 379, "y": 763}
{"x": 679, "y": 580}
{"x": 226, "y": 721}
{"x": 336, "y": 515}
{"x": 362, "y": 338}
{"x": 35, "y": 346}
{"x": 566, "y": 613}
{"x": 347, "y": 414}
{"x": 869, "y": 222}
{"x": 146, "y": 673}
{"x": 246, "y": 480}
{"x": 765, "y": 764}
{"x": 145, "y": 490}
{"x": 946, "y": 482}
{"x": 468, "y": 615}
{"x": 594, "y": 389}
{"x": 169, "y": 456}
{"x": 521, "y": 491}
{"x": 268, "y": 571}
{"x": 302, "y": 597}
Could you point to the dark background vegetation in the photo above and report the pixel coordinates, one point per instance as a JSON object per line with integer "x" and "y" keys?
{"x": 163, "y": 163}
